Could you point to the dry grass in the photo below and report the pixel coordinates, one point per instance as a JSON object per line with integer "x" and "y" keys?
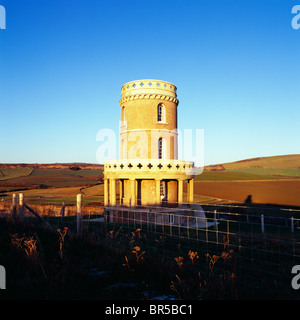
{"x": 54, "y": 210}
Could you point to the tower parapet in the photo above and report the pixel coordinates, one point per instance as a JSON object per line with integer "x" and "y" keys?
{"x": 149, "y": 89}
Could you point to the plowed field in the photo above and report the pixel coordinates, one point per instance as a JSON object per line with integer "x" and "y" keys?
{"x": 279, "y": 192}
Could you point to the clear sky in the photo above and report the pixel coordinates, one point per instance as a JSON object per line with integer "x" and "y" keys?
{"x": 236, "y": 65}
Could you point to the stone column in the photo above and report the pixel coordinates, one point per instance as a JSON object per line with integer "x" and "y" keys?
{"x": 191, "y": 191}
{"x": 188, "y": 191}
{"x": 105, "y": 192}
{"x": 132, "y": 192}
{"x": 121, "y": 190}
{"x": 157, "y": 191}
{"x": 113, "y": 192}
{"x": 180, "y": 192}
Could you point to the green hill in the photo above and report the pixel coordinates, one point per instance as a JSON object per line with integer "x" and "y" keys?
{"x": 261, "y": 168}
{"x": 276, "y": 162}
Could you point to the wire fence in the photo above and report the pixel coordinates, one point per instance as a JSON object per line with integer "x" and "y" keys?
{"x": 264, "y": 242}
{"x": 265, "y": 246}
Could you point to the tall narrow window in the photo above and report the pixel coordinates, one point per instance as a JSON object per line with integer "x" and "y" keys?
{"x": 160, "y": 113}
{"x": 161, "y": 148}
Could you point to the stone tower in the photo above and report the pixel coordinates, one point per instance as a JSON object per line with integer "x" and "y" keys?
{"x": 149, "y": 172}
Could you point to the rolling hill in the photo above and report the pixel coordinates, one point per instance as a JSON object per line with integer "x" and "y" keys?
{"x": 36, "y": 176}
{"x": 275, "y": 167}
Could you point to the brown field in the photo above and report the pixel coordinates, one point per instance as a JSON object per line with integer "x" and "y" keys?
{"x": 269, "y": 180}
{"x": 277, "y": 192}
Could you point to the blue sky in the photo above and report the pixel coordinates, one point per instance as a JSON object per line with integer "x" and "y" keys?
{"x": 63, "y": 62}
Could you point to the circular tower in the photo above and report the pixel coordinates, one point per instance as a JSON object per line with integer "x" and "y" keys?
{"x": 148, "y": 112}
{"x": 148, "y": 171}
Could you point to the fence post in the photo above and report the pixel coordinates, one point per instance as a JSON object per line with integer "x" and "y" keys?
{"x": 21, "y": 206}
{"x": 292, "y": 224}
{"x": 262, "y": 224}
{"x": 14, "y": 208}
{"x": 79, "y": 214}
{"x": 215, "y": 219}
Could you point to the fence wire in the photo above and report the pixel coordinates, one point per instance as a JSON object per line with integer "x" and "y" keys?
{"x": 265, "y": 242}
{"x": 266, "y": 246}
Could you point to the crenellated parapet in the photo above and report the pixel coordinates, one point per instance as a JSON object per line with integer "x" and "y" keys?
{"x": 148, "y": 89}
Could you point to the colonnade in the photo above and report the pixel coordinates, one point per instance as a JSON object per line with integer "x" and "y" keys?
{"x": 110, "y": 195}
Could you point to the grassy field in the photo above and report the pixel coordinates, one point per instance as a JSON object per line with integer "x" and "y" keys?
{"x": 269, "y": 180}
{"x": 6, "y": 174}
{"x": 59, "y": 195}
{"x": 32, "y": 178}
{"x": 275, "y": 162}
{"x": 46, "y": 172}
{"x": 274, "y": 172}
{"x": 50, "y": 184}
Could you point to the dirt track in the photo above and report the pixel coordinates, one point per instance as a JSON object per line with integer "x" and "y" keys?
{"x": 278, "y": 192}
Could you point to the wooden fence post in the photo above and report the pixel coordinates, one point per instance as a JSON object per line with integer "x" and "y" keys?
{"x": 14, "y": 208}
{"x": 79, "y": 214}
{"x": 21, "y": 206}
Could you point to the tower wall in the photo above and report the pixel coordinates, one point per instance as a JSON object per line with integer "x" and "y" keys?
{"x": 140, "y": 126}
{"x": 148, "y": 169}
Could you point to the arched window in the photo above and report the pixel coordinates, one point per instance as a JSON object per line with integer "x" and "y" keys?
{"x": 160, "y": 113}
{"x": 161, "y": 148}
